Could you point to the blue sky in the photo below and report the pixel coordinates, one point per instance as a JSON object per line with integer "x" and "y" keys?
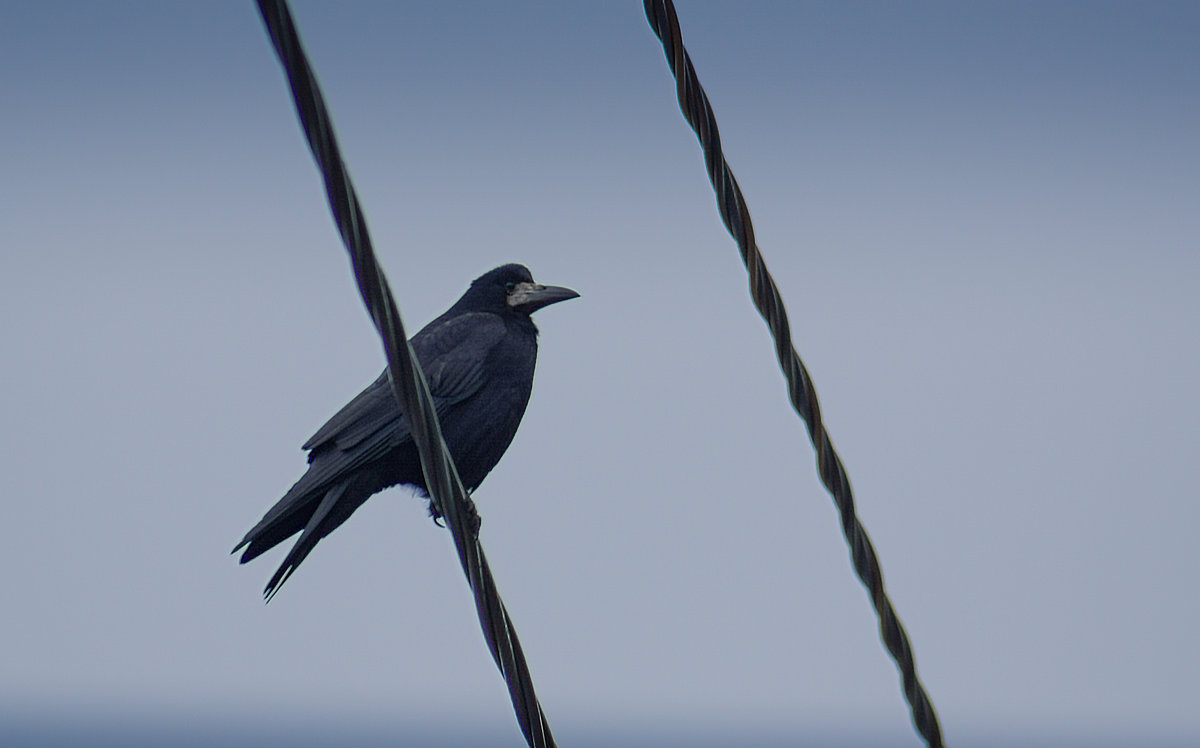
{"x": 983, "y": 218}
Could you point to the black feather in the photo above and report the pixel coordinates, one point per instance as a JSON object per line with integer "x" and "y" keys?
{"x": 479, "y": 359}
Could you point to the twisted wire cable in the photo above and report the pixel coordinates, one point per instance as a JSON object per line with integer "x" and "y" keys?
{"x": 407, "y": 379}
{"x": 736, "y": 216}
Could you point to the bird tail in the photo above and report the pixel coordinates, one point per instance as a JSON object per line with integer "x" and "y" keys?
{"x": 288, "y": 517}
{"x": 313, "y": 514}
{"x": 308, "y": 540}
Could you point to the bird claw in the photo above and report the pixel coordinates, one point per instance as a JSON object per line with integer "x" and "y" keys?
{"x": 474, "y": 521}
{"x": 434, "y": 514}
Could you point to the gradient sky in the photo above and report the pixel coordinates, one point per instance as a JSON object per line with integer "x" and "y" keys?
{"x": 984, "y": 218}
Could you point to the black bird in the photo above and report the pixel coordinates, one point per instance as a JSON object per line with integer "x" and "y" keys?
{"x": 478, "y": 358}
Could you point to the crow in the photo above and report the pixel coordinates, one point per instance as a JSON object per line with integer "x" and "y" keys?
{"x": 478, "y": 358}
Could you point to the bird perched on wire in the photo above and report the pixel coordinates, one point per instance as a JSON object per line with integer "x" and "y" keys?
{"x": 478, "y": 358}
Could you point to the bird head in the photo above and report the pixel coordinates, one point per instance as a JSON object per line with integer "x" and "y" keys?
{"x": 513, "y": 286}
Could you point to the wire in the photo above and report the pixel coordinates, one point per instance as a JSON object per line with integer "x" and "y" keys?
{"x": 736, "y": 216}
{"x": 407, "y": 379}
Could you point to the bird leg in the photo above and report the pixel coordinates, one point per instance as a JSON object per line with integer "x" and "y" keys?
{"x": 474, "y": 521}
{"x": 434, "y": 513}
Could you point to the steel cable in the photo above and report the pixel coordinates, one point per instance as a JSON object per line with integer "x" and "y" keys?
{"x": 407, "y": 379}
{"x": 736, "y": 216}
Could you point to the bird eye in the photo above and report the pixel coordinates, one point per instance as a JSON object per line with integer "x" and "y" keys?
{"x": 510, "y": 287}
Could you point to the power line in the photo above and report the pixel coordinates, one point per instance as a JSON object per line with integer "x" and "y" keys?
{"x": 803, "y": 395}
{"x": 407, "y": 379}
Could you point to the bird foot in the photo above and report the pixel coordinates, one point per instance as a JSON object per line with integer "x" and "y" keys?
{"x": 474, "y": 521}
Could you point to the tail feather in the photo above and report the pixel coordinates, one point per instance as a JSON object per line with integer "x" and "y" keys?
{"x": 269, "y": 537}
{"x": 283, "y": 520}
{"x": 313, "y": 509}
{"x": 308, "y": 540}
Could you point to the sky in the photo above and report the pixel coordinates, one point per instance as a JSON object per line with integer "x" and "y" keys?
{"x": 982, "y": 217}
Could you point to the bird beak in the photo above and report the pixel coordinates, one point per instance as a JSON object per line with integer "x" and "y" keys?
{"x": 530, "y": 297}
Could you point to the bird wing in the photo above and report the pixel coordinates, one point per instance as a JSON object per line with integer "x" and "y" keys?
{"x": 452, "y": 353}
